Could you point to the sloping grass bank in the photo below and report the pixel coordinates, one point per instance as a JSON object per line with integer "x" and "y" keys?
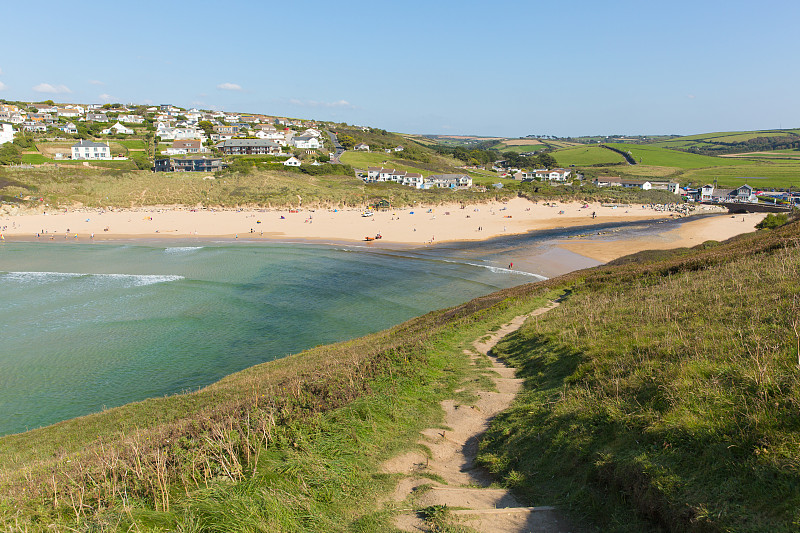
{"x": 664, "y": 393}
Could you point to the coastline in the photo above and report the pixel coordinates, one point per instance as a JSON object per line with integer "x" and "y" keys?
{"x": 413, "y": 226}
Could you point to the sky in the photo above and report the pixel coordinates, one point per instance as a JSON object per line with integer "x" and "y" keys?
{"x": 499, "y": 68}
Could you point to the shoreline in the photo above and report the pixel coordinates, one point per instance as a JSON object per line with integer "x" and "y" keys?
{"x": 423, "y": 225}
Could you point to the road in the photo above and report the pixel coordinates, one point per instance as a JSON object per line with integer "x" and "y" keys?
{"x": 338, "y": 148}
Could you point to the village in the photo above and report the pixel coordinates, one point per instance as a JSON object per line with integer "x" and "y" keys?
{"x": 167, "y": 138}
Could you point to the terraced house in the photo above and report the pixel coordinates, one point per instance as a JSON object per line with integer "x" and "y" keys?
{"x": 248, "y": 147}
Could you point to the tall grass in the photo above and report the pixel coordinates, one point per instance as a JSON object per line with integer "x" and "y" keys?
{"x": 670, "y": 388}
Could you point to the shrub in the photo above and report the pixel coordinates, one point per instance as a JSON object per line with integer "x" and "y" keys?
{"x": 772, "y": 221}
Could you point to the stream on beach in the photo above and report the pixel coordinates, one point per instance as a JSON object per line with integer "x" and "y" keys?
{"x": 88, "y": 326}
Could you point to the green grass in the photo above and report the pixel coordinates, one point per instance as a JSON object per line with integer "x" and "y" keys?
{"x": 133, "y": 143}
{"x": 587, "y": 155}
{"x": 435, "y": 163}
{"x": 520, "y": 149}
{"x": 779, "y": 174}
{"x": 662, "y": 157}
{"x": 71, "y": 183}
{"x": 669, "y": 385}
{"x": 35, "y": 159}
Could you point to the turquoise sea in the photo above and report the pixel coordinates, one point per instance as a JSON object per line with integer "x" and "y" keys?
{"x": 89, "y": 326}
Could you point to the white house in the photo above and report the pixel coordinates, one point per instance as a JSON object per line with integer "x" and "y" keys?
{"x": 306, "y": 142}
{"x": 176, "y": 134}
{"x": 186, "y": 147}
{"x": 745, "y": 193}
{"x": 311, "y": 132}
{"x": 361, "y": 146}
{"x": 69, "y": 127}
{"x": 117, "y": 128}
{"x": 557, "y": 174}
{"x": 69, "y": 113}
{"x": 90, "y": 150}
{"x": 450, "y": 181}
{"x": 6, "y": 133}
{"x": 131, "y": 119}
{"x": 636, "y": 184}
{"x": 292, "y": 162}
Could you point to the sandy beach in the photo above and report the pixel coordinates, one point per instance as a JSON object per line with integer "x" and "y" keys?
{"x": 420, "y": 225}
{"x": 691, "y": 233}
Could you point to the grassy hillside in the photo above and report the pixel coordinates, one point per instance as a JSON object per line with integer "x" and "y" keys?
{"x": 70, "y": 185}
{"x": 669, "y": 386}
{"x": 587, "y": 156}
{"x": 732, "y": 142}
{"x": 646, "y": 154}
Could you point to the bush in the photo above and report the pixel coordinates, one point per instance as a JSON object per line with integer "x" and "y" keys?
{"x": 10, "y": 154}
{"x": 773, "y": 221}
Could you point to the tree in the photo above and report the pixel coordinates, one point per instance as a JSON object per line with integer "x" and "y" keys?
{"x": 206, "y": 126}
{"x": 548, "y": 161}
{"x": 10, "y": 154}
{"x": 347, "y": 141}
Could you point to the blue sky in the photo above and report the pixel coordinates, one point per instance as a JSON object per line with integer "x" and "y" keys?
{"x": 501, "y": 68}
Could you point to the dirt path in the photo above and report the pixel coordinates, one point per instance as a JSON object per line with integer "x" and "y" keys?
{"x": 449, "y": 479}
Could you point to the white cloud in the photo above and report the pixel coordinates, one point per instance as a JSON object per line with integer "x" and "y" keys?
{"x": 96, "y": 82}
{"x": 227, "y": 86}
{"x": 2, "y": 86}
{"x": 105, "y": 97}
{"x": 690, "y": 96}
{"x": 51, "y": 89}
{"x": 314, "y": 103}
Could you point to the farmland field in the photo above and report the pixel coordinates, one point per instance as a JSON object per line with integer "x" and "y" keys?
{"x": 520, "y": 149}
{"x": 587, "y": 155}
{"x": 766, "y": 174}
{"x": 654, "y": 155}
{"x": 522, "y": 142}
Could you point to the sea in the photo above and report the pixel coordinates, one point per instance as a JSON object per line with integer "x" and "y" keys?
{"x": 90, "y": 326}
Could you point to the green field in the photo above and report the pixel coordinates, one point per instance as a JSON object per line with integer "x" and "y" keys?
{"x": 520, "y": 149}
{"x": 133, "y": 143}
{"x": 587, "y": 155}
{"x": 775, "y": 174}
{"x": 35, "y": 159}
{"x": 437, "y": 164}
{"x": 662, "y": 157}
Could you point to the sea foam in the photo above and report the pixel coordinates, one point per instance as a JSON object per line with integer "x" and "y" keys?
{"x": 127, "y": 280}
{"x": 182, "y": 249}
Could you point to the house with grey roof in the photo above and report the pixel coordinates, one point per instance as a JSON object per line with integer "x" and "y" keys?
{"x": 449, "y": 181}
{"x": 90, "y": 150}
{"x": 248, "y": 147}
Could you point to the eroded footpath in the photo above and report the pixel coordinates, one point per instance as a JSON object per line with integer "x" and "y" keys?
{"x": 445, "y": 488}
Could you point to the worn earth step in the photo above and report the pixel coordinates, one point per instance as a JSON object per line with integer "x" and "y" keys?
{"x": 505, "y": 510}
{"x": 505, "y": 372}
{"x": 472, "y": 498}
{"x": 514, "y": 520}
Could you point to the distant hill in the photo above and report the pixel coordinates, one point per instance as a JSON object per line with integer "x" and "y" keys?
{"x": 722, "y": 143}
